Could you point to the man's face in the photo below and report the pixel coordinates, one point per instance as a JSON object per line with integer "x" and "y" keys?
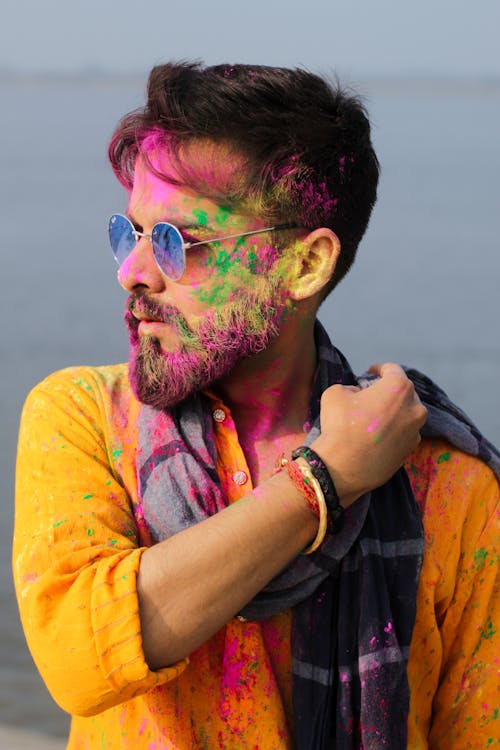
{"x": 185, "y": 335}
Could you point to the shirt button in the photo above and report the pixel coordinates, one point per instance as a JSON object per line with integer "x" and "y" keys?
{"x": 219, "y": 415}
{"x": 240, "y": 477}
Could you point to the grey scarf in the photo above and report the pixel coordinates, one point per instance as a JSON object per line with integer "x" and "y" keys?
{"x": 353, "y": 601}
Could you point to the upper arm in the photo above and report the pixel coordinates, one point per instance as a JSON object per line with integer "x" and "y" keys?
{"x": 454, "y": 662}
{"x": 467, "y": 702}
{"x": 76, "y": 553}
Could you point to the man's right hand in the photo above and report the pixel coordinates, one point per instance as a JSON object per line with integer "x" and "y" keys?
{"x": 212, "y": 569}
{"x": 367, "y": 434}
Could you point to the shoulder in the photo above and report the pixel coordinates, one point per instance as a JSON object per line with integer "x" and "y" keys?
{"x": 81, "y": 414}
{"x": 459, "y": 497}
{"x": 86, "y": 397}
{"x": 83, "y": 378}
{"x": 449, "y": 484}
{"x": 82, "y": 386}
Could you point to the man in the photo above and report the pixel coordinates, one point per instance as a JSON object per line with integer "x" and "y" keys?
{"x": 160, "y": 534}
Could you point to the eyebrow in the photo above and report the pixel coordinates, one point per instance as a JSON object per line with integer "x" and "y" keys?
{"x": 184, "y": 226}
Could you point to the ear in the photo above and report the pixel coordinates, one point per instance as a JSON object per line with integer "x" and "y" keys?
{"x": 316, "y": 261}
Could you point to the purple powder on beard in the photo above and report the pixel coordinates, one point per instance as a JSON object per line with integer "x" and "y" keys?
{"x": 163, "y": 379}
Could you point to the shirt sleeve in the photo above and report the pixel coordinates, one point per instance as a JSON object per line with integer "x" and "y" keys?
{"x": 460, "y": 582}
{"x": 76, "y": 554}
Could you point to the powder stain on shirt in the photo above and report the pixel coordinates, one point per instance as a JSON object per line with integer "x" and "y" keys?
{"x": 181, "y": 701}
{"x": 480, "y": 556}
{"x": 444, "y": 457}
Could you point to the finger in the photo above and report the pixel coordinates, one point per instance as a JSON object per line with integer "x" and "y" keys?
{"x": 386, "y": 368}
{"x": 423, "y": 411}
{"x": 423, "y": 414}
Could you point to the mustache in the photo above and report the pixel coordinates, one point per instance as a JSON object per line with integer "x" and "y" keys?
{"x": 140, "y": 304}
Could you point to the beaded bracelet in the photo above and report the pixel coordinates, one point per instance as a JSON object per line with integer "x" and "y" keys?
{"x": 321, "y": 473}
{"x": 302, "y": 483}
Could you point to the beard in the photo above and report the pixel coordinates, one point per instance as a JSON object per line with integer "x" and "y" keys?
{"x": 206, "y": 353}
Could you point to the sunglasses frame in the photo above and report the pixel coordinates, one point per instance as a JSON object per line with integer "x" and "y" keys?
{"x": 183, "y": 244}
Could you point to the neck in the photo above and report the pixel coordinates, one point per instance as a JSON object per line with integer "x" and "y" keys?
{"x": 269, "y": 394}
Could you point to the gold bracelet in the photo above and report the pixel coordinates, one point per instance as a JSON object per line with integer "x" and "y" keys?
{"x": 323, "y": 511}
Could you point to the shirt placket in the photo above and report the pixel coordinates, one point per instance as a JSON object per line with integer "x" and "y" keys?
{"x": 232, "y": 466}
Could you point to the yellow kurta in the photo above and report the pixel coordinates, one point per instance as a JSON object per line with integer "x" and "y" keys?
{"x": 79, "y": 536}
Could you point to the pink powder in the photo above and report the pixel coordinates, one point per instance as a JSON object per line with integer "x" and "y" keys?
{"x": 237, "y": 330}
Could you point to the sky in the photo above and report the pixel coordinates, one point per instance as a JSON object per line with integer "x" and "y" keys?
{"x": 450, "y": 38}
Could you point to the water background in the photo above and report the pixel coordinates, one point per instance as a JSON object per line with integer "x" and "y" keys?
{"x": 424, "y": 290}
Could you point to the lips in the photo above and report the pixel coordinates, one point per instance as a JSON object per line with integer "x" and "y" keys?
{"x": 140, "y": 309}
{"x": 143, "y": 318}
{"x": 135, "y": 321}
{"x": 149, "y": 326}
{"x": 145, "y": 313}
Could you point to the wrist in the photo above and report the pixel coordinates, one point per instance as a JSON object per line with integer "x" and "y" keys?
{"x": 296, "y": 503}
{"x": 325, "y": 483}
{"x": 304, "y": 480}
{"x": 348, "y": 489}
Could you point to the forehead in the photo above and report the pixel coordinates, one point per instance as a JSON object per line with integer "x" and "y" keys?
{"x": 202, "y": 174}
{"x": 151, "y": 194}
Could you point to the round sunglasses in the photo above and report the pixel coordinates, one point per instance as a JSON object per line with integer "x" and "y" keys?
{"x": 169, "y": 246}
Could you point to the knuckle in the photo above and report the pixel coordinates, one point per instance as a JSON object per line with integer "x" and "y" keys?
{"x": 423, "y": 413}
{"x": 406, "y": 385}
{"x": 400, "y": 382}
{"x": 330, "y": 391}
{"x": 392, "y": 368}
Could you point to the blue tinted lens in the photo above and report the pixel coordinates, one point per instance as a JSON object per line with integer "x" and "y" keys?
{"x": 121, "y": 237}
{"x": 168, "y": 250}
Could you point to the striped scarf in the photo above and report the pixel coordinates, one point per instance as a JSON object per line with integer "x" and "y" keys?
{"x": 354, "y": 600}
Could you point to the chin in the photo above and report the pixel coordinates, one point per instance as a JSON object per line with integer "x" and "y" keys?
{"x": 207, "y": 354}
{"x": 159, "y": 378}
{"x": 164, "y": 379}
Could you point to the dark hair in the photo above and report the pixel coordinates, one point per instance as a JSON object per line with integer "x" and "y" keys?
{"x": 306, "y": 146}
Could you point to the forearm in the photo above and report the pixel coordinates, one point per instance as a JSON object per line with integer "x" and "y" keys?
{"x": 191, "y": 584}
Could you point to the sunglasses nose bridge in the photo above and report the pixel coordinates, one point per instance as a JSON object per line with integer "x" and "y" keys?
{"x": 143, "y": 248}
{"x": 140, "y": 267}
{"x": 141, "y": 235}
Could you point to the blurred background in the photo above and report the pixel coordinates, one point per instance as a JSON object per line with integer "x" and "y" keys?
{"x": 424, "y": 290}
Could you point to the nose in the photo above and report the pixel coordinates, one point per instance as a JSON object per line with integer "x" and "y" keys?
{"x": 139, "y": 269}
